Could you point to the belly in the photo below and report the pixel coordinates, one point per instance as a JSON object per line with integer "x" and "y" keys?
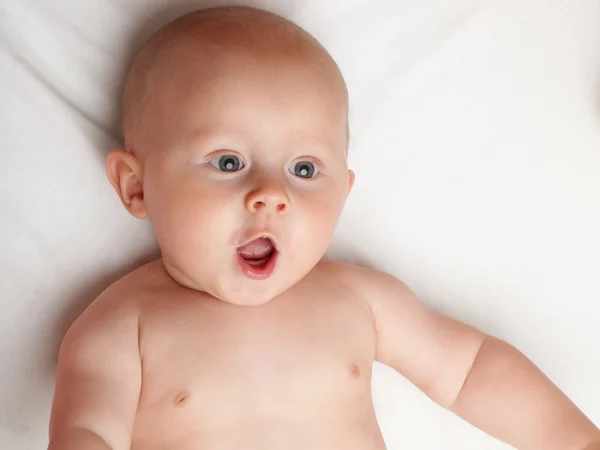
{"x": 265, "y": 434}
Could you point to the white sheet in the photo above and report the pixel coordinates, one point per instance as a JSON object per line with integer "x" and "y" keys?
{"x": 476, "y": 143}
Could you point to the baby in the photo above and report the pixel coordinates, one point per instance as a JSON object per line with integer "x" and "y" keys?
{"x": 240, "y": 336}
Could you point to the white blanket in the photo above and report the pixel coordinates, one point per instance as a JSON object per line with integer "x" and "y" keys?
{"x": 476, "y": 143}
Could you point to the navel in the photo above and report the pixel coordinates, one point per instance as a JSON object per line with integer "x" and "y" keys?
{"x": 354, "y": 371}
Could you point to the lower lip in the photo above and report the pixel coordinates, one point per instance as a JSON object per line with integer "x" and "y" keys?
{"x": 258, "y": 272}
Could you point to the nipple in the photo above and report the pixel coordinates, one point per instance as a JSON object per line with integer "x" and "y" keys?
{"x": 181, "y": 398}
{"x": 354, "y": 371}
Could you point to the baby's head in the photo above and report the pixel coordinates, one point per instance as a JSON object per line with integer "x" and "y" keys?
{"x": 236, "y": 133}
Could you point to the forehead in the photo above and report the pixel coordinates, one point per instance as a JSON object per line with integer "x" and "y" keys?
{"x": 254, "y": 94}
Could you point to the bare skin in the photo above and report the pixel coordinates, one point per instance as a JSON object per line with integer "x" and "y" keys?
{"x": 203, "y": 350}
{"x": 291, "y": 373}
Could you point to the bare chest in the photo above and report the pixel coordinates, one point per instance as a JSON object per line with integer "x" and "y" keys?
{"x": 302, "y": 350}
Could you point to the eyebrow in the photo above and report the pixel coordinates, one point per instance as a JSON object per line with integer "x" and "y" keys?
{"x": 229, "y": 134}
{"x": 213, "y": 129}
{"x": 212, "y": 134}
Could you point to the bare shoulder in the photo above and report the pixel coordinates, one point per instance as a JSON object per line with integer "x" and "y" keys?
{"x": 380, "y": 294}
{"x": 116, "y": 310}
{"x": 340, "y": 270}
{"x": 99, "y": 364}
{"x": 372, "y": 285}
{"x": 412, "y": 338}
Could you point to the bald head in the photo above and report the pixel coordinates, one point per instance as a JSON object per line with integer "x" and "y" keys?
{"x": 203, "y": 39}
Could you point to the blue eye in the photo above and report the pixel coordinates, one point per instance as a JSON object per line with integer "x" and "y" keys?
{"x": 227, "y": 163}
{"x": 304, "y": 169}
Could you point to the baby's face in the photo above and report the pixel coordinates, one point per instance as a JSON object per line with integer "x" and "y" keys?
{"x": 247, "y": 173}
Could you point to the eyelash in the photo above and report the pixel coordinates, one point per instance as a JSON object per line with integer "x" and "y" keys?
{"x": 244, "y": 165}
{"x": 225, "y": 155}
{"x": 316, "y": 166}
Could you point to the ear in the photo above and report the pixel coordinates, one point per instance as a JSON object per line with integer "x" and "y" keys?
{"x": 350, "y": 180}
{"x": 125, "y": 174}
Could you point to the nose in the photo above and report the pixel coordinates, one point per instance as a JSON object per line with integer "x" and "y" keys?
{"x": 270, "y": 196}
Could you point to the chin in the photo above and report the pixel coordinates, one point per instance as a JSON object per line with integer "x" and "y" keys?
{"x": 251, "y": 295}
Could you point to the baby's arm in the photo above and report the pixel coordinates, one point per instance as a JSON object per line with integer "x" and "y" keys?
{"x": 484, "y": 380}
{"x": 98, "y": 381}
{"x": 506, "y": 395}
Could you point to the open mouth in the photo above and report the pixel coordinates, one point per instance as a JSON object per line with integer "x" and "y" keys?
{"x": 257, "y": 258}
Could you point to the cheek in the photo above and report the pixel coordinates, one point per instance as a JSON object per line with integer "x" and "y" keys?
{"x": 207, "y": 212}
{"x": 185, "y": 213}
{"x": 320, "y": 210}
{"x": 326, "y": 199}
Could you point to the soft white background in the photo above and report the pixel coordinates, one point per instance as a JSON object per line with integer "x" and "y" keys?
{"x": 476, "y": 143}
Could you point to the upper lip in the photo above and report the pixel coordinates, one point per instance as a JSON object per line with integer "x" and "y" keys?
{"x": 256, "y": 236}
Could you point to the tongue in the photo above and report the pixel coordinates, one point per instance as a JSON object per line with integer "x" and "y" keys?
{"x": 257, "y": 249}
